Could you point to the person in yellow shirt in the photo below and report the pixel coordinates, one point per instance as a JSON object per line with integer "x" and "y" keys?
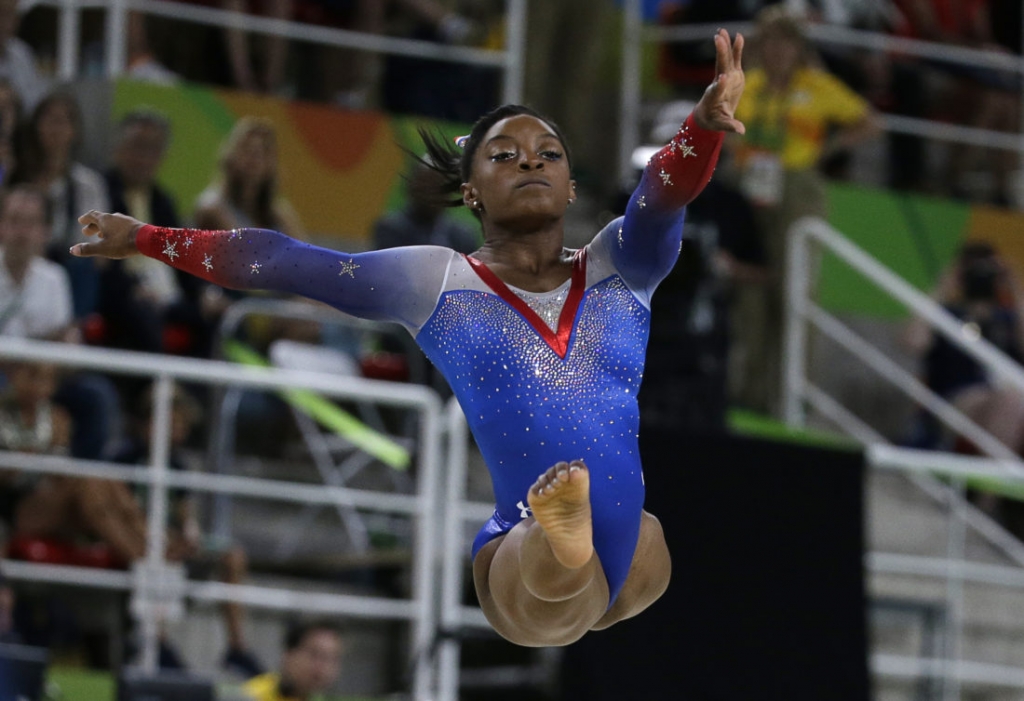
{"x": 797, "y": 115}
{"x": 309, "y": 666}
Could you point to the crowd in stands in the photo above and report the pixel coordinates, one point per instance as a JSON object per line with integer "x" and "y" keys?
{"x": 804, "y": 110}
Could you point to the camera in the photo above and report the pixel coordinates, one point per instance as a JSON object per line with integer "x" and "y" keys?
{"x": 980, "y": 272}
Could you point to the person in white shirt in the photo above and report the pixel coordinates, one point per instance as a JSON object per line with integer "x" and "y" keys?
{"x": 17, "y": 62}
{"x": 36, "y": 302}
{"x": 35, "y": 294}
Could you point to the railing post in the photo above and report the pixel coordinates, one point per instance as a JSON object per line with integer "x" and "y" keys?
{"x": 116, "y": 33}
{"x": 630, "y": 89}
{"x": 515, "y": 52}
{"x": 68, "y": 30}
{"x": 146, "y": 609}
{"x": 794, "y": 349}
{"x": 424, "y": 625}
{"x": 956, "y": 536}
{"x": 451, "y": 573}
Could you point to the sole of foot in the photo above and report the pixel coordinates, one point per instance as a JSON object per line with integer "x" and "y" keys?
{"x": 560, "y": 501}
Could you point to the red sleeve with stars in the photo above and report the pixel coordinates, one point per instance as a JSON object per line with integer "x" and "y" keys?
{"x": 646, "y": 244}
{"x": 398, "y": 284}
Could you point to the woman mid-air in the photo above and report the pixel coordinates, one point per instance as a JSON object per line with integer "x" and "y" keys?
{"x": 543, "y": 346}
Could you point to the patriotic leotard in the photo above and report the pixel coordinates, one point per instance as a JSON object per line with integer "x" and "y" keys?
{"x": 542, "y": 378}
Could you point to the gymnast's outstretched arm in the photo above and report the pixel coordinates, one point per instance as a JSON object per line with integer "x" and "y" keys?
{"x": 646, "y": 245}
{"x": 399, "y": 284}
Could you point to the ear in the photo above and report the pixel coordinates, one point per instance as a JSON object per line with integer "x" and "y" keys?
{"x": 470, "y": 197}
{"x": 572, "y": 191}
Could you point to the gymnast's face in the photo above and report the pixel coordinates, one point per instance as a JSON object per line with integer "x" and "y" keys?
{"x": 520, "y": 178}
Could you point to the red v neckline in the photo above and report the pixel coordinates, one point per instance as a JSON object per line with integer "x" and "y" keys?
{"x": 558, "y": 341}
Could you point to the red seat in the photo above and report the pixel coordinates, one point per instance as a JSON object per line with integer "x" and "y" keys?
{"x": 50, "y": 551}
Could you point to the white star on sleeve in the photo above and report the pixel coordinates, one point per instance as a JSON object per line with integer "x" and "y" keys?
{"x": 170, "y": 250}
{"x": 208, "y": 262}
{"x": 348, "y": 268}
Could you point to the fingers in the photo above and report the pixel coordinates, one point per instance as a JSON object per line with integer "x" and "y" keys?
{"x": 90, "y": 222}
{"x": 84, "y": 250}
{"x": 723, "y": 56}
{"x": 90, "y": 217}
{"x": 728, "y": 52}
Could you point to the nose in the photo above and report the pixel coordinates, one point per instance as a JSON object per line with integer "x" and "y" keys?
{"x": 529, "y": 162}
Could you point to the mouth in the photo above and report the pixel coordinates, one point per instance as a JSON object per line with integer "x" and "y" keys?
{"x": 528, "y": 183}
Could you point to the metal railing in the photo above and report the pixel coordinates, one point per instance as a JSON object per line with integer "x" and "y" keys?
{"x": 157, "y": 587}
{"x": 510, "y": 60}
{"x": 635, "y": 35}
{"x": 1001, "y": 462}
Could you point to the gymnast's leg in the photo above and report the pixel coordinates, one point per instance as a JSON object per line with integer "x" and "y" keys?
{"x": 542, "y": 583}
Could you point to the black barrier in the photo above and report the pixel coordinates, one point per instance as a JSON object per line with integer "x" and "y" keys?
{"x": 767, "y": 596}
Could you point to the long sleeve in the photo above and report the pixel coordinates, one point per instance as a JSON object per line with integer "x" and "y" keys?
{"x": 400, "y": 284}
{"x": 646, "y": 244}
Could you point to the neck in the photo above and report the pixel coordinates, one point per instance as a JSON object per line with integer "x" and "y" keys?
{"x": 17, "y": 267}
{"x": 530, "y": 253}
{"x": 57, "y": 165}
{"x": 779, "y": 80}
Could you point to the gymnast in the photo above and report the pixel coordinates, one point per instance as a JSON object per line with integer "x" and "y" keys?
{"x": 543, "y": 346}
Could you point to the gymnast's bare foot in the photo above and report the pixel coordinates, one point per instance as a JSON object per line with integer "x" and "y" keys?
{"x": 560, "y": 501}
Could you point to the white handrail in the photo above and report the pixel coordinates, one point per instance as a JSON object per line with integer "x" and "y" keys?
{"x": 1005, "y": 369}
{"x": 509, "y": 59}
{"x": 148, "y": 603}
{"x": 1008, "y": 467}
{"x": 856, "y": 38}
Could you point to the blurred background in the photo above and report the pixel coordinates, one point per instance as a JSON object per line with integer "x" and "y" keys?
{"x": 834, "y": 403}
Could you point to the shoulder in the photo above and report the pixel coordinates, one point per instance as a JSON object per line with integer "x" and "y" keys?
{"x": 46, "y": 272}
{"x": 262, "y": 688}
{"x": 599, "y": 260}
{"x": 820, "y": 80}
{"x": 755, "y": 79}
{"x": 19, "y": 50}
{"x": 84, "y": 175}
{"x": 210, "y": 198}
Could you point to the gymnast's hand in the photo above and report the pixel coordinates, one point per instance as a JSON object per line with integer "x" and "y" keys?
{"x": 116, "y": 233}
{"x": 717, "y": 107}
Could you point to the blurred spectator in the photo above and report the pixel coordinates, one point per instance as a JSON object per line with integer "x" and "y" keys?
{"x": 185, "y": 540}
{"x": 796, "y": 116}
{"x": 10, "y": 119}
{"x": 146, "y": 305}
{"x": 141, "y": 63}
{"x": 274, "y": 57}
{"x": 17, "y": 63}
{"x": 564, "y": 44}
{"x": 35, "y": 294}
{"x": 688, "y": 357}
{"x": 8, "y": 632}
{"x": 47, "y": 160}
{"x": 689, "y": 66}
{"x": 984, "y": 292}
{"x": 441, "y": 89}
{"x": 30, "y": 422}
{"x": 423, "y": 220}
{"x": 350, "y": 78}
{"x": 977, "y": 97}
{"x": 309, "y": 666}
{"x": 35, "y": 302}
{"x": 246, "y": 192}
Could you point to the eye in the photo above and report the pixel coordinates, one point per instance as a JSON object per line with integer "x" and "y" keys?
{"x": 551, "y": 155}
{"x": 503, "y": 156}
